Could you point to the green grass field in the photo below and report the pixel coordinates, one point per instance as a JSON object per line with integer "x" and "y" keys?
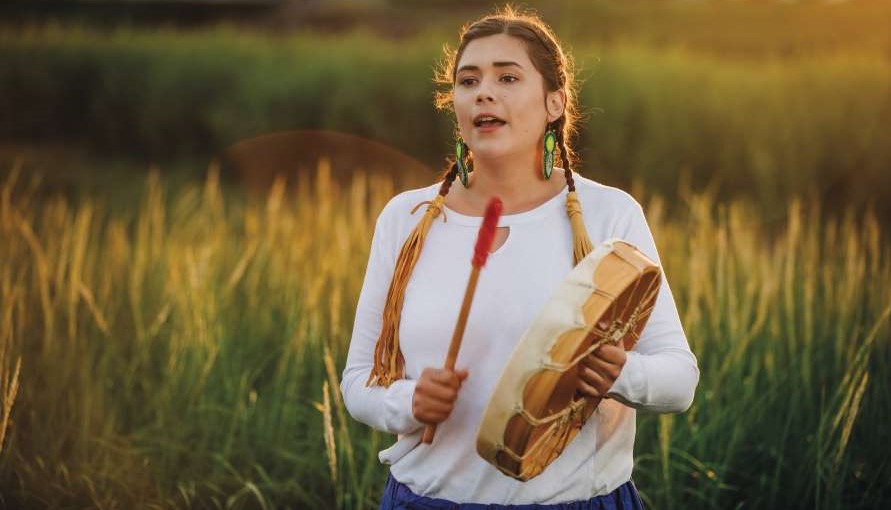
{"x": 186, "y": 353}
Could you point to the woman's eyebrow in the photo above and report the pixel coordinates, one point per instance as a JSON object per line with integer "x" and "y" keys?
{"x": 470, "y": 67}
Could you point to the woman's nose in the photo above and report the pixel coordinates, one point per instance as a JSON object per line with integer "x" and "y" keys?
{"x": 484, "y": 96}
{"x": 483, "y": 92}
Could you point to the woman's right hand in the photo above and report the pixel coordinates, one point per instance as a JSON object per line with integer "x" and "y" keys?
{"x": 435, "y": 394}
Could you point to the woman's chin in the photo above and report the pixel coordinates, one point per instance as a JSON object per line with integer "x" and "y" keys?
{"x": 489, "y": 152}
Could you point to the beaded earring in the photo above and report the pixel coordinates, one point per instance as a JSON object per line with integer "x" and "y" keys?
{"x": 550, "y": 144}
{"x": 460, "y": 154}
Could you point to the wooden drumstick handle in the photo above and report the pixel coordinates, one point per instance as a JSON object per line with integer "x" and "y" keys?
{"x": 484, "y": 240}
{"x": 457, "y": 336}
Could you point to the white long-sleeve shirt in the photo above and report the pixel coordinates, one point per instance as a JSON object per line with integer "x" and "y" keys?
{"x": 660, "y": 374}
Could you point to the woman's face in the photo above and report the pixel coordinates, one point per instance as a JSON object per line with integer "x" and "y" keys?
{"x": 500, "y": 100}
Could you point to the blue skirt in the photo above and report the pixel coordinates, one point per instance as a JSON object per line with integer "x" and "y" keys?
{"x": 399, "y": 497}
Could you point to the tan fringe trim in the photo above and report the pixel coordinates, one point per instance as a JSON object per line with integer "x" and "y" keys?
{"x": 388, "y": 360}
{"x": 581, "y": 243}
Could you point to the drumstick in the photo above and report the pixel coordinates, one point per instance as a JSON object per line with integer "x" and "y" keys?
{"x": 484, "y": 240}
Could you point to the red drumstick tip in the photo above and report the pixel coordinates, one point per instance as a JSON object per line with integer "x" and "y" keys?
{"x": 487, "y": 232}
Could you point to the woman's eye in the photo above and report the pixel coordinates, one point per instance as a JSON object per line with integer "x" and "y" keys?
{"x": 509, "y": 78}
{"x": 466, "y": 81}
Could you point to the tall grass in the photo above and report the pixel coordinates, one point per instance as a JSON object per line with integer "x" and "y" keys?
{"x": 187, "y": 353}
{"x": 790, "y": 328}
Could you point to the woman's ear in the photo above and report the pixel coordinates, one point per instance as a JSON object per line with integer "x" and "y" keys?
{"x": 555, "y": 102}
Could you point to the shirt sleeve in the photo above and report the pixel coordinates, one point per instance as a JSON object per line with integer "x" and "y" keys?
{"x": 387, "y": 409}
{"x": 660, "y": 373}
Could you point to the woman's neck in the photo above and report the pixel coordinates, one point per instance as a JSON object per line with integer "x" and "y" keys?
{"x": 519, "y": 184}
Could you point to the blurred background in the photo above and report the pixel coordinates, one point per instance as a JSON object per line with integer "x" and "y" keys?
{"x": 762, "y": 98}
{"x": 189, "y": 190}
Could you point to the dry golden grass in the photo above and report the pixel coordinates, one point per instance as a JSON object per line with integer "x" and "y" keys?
{"x": 186, "y": 352}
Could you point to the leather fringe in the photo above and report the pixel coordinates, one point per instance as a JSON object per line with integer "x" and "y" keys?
{"x": 388, "y": 360}
{"x": 581, "y": 243}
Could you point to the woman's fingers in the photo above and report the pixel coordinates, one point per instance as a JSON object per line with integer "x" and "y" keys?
{"x": 435, "y": 393}
{"x": 593, "y": 383}
{"x": 443, "y": 377}
{"x": 430, "y": 410}
{"x": 440, "y": 384}
{"x": 610, "y": 354}
{"x": 587, "y": 389}
{"x": 598, "y": 371}
{"x": 603, "y": 368}
{"x": 437, "y": 408}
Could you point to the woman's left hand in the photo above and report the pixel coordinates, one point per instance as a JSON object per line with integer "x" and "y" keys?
{"x": 599, "y": 370}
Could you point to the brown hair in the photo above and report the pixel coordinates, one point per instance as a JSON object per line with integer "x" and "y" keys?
{"x": 550, "y": 60}
{"x": 556, "y": 68}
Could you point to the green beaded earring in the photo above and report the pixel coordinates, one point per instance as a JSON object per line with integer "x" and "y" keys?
{"x": 550, "y": 144}
{"x": 460, "y": 154}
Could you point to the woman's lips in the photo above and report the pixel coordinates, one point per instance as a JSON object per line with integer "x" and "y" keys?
{"x": 489, "y": 127}
{"x": 487, "y": 122}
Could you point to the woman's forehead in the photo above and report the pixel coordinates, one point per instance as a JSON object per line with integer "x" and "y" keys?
{"x": 492, "y": 49}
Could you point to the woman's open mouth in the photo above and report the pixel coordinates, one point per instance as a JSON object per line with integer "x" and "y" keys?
{"x": 486, "y": 122}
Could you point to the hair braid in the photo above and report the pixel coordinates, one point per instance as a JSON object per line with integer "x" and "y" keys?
{"x": 448, "y": 179}
{"x": 559, "y": 126}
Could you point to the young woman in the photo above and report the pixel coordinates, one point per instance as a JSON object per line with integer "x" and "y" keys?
{"x": 510, "y": 86}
